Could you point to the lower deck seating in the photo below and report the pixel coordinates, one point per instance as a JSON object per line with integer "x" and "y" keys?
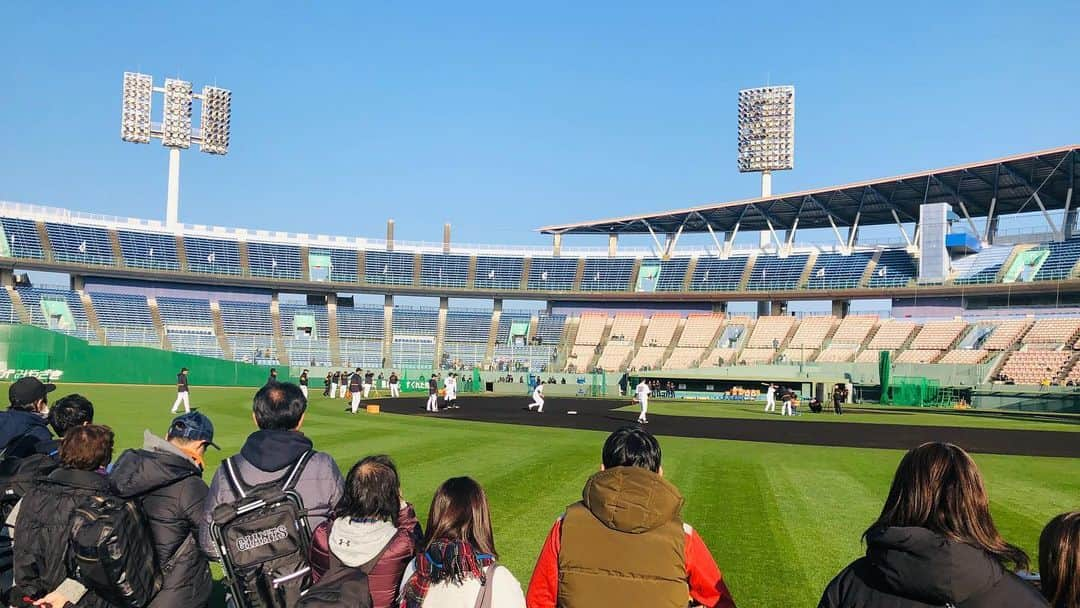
{"x": 837, "y": 353}
{"x": 967, "y": 356}
{"x": 1035, "y": 367}
{"x": 683, "y": 357}
{"x": 918, "y": 356}
{"x": 648, "y": 357}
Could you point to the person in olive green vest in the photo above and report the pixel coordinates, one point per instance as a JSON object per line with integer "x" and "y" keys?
{"x": 624, "y": 543}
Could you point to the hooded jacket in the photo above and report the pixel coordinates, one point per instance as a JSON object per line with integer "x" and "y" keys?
{"x": 169, "y": 487}
{"x": 21, "y": 432}
{"x": 43, "y": 530}
{"x": 624, "y": 544}
{"x": 357, "y": 543}
{"x": 909, "y": 567}
{"x": 267, "y": 456}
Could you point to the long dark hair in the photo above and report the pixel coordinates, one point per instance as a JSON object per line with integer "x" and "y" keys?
{"x": 1059, "y": 560}
{"x": 372, "y": 490}
{"x": 938, "y": 487}
{"x": 459, "y": 511}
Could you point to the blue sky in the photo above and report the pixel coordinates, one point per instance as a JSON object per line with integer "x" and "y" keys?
{"x": 499, "y": 117}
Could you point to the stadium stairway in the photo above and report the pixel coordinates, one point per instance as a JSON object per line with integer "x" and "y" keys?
{"x": 864, "y": 280}
{"x": 114, "y": 241}
{"x": 43, "y": 236}
{"x": 579, "y": 273}
{"x": 526, "y": 266}
{"x": 688, "y": 279}
{"x": 470, "y": 274}
{"x": 245, "y": 262}
{"x": 159, "y": 325}
{"x": 748, "y": 271}
{"x": 91, "y": 316}
{"x": 181, "y": 256}
{"x": 219, "y": 329}
{"x": 418, "y": 269}
{"x": 19, "y": 306}
{"x": 570, "y": 333}
{"x": 634, "y": 270}
{"x": 804, "y": 278}
{"x": 305, "y": 267}
{"x": 534, "y": 322}
{"x": 332, "y": 328}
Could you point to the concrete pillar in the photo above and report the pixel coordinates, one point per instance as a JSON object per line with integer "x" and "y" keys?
{"x": 389, "y": 235}
{"x": 853, "y": 235}
{"x": 720, "y": 307}
{"x": 388, "y": 329}
{"x": 7, "y": 277}
{"x": 1069, "y": 227}
{"x": 764, "y": 239}
{"x": 78, "y": 283}
{"x": 841, "y": 308}
{"x": 763, "y": 309}
{"x": 556, "y": 245}
{"x": 778, "y": 308}
{"x": 446, "y": 238}
{"x": 612, "y": 245}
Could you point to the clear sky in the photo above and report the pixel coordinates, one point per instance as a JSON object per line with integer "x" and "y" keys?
{"x": 501, "y": 117}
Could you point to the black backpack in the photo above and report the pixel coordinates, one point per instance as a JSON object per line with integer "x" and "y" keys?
{"x": 111, "y": 551}
{"x": 17, "y": 476}
{"x": 341, "y": 586}
{"x": 263, "y": 539}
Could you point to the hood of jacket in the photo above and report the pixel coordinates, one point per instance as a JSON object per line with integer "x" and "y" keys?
{"x": 357, "y": 542}
{"x": 924, "y": 566}
{"x": 158, "y": 464}
{"x": 274, "y": 450}
{"x": 631, "y": 499}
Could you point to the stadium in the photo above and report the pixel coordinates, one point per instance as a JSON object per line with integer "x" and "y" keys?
{"x": 936, "y": 306}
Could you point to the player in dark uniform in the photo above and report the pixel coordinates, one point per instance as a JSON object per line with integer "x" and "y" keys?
{"x": 326, "y": 385}
{"x": 433, "y": 394}
{"x": 356, "y": 388}
{"x": 369, "y": 379}
{"x": 304, "y": 383}
{"x": 182, "y": 394}
{"x": 395, "y": 385}
{"x": 335, "y": 380}
{"x": 273, "y": 376}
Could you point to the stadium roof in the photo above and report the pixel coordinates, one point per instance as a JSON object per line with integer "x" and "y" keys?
{"x": 1040, "y": 181}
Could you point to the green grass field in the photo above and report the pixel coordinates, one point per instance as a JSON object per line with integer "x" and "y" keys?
{"x": 781, "y": 520}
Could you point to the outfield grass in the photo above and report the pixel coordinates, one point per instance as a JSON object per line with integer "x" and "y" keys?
{"x": 781, "y": 520}
{"x": 872, "y": 415}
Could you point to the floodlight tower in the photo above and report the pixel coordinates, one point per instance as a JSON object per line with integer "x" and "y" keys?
{"x": 175, "y": 130}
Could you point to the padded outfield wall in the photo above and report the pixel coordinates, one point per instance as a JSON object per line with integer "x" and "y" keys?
{"x": 25, "y": 349}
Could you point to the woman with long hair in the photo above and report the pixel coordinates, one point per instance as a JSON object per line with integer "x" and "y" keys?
{"x": 1059, "y": 560}
{"x": 458, "y": 561}
{"x": 934, "y": 543}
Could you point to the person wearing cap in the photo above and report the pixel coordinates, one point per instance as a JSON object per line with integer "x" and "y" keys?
{"x": 182, "y": 395}
{"x": 24, "y": 424}
{"x": 166, "y": 476}
{"x": 304, "y": 383}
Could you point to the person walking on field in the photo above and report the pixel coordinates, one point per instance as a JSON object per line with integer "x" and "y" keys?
{"x": 770, "y": 398}
{"x": 356, "y": 388}
{"x": 182, "y": 394}
{"x": 538, "y": 397}
{"x": 334, "y": 379}
{"x": 642, "y": 390}
{"x": 433, "y": 394}
{"x": 450, "y": 385}
{"x": 344, "y": 384}
{"x": 839, "y": 396}
{"x": 395, "y": 385}
{"x": 304, "y": 383}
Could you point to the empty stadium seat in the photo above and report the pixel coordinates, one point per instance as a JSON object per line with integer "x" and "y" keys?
{"x": 770, "y": 332}
{"x": 212, "y": 256}
{"x": 964, "y": 356}
{"x": 149, "y": 250}
{"x": 274, "y": 260}
{"x": 607, "y": 274}
{"x": 342, "y": 265}
{"x": 591, "y": 328}
{"x": 444, "y": 270}
{"x": 672, "y": 273}
{"x": 918, "y": 356}
{"x": 773, "y": 272}
{"x": 981, "y": 267}
{"x": 498, "y": 272}
{"x": 1053, "y": 331}
{"x": 125, "y": 318}
{"x": 80, "y": 244}
{"x": 388, "y": 268}
{"x": 1035, "y": 367}
{"x": 891, "y": 335}
{"x": 1006, "y": 334}
{"x": 838, "y": 271}
{"x": 683, "y": 357}
{"x": 701, "y": 329}
{"x": 21, "y": 239}
{"x": 895, "y": 268}
{"x": 661, "y": 329}
{"x": 552, "y": 274}
{"x": 938, "y": 335}
{"x": 716, "y": 274}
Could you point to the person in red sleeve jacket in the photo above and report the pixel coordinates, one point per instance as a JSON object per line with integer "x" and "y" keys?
{"x": 374, "y": 529}
{"x": 624, "y": 544}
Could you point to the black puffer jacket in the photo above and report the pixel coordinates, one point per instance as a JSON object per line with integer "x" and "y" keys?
{"x": 170, "y": 489}
{"x": 43, "y": 528}
{"x": 916, "y": 568}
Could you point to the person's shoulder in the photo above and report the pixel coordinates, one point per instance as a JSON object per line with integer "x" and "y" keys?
{"x": 1017, "y": 592}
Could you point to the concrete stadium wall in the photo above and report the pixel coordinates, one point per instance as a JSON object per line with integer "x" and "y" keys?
{"x": 28, "y": 350}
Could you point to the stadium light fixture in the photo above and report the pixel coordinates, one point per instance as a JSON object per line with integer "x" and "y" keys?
{"x": 175, "y": 129}
{"x": 766, "y": 132}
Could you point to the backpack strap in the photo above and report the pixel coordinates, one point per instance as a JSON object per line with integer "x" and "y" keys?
{"x": 294, "y": 474}
{"x": 485, "y": 598}
{"x": 232, "y": 472}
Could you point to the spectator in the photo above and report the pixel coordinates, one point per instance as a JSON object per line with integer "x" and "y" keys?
{"x": 42, "y": 529}
{"x": 166, "y": 475}
{"x": 23, "y": 426}
{"x": 373, "y": 523}
{"x": 67, "y": 413}
{"x": 270, "y": 452}
{"x": 934, "y": 543}
{"x": 458, "y": 553}
{"x": 607, "y": 550}
{"x": 1059, "y": 560}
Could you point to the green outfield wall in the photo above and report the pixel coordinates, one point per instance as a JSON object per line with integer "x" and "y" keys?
{"x": 25, "y": 349}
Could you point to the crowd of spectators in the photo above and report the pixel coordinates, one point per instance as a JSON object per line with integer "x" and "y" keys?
{"x": 623, "y": 544}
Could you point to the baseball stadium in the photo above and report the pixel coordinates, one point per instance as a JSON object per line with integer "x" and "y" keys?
{"x": 936, "y": 306}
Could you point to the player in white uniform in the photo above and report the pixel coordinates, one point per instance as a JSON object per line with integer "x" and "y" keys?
{"x": 538, "y": 397}
{"x": 643, "y": 391}
{"x": 450, "y": 386}
{"x": 770, "y": 399}
{"x": 395, "y": 385}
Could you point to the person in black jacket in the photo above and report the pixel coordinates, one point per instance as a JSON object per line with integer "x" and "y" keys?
{"x": 304, "y": 383}
{"x": 934, "y": 543}
{"x": 166, "y": 477}
{"x": 183, "y": 395}
{"x": 42, "y": 524}
{"x": 23, "y": 426}
{"x": 326, "y": 385}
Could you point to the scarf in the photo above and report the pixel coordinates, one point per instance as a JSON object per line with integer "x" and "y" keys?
{"x": 444, "y": 560}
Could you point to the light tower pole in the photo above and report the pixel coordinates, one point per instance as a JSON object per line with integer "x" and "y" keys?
{"x": 766, "y": 141}
{"x": 175, "y": 130}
